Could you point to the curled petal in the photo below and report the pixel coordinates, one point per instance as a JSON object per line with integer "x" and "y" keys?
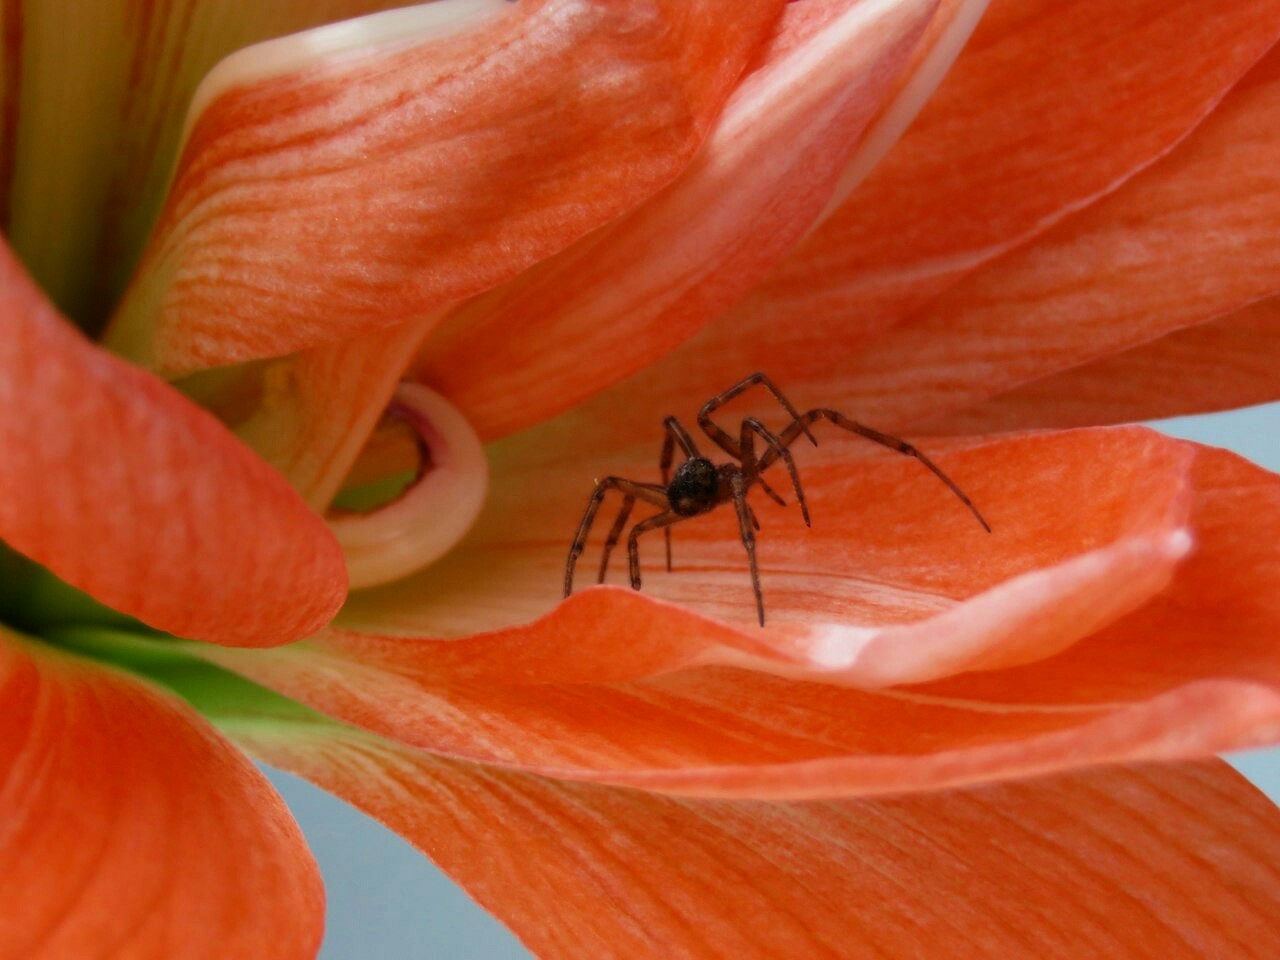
{"x": 618, "y": 687}
{"x": 318, "y": 407}
{"x": 131, "y": 829}
{"x": 434, "y": 513}
{"x": 1002, "y": 159}
{"x": 625, "y": 295}
{"x": 128, "y": 491}
{"x": 1142, "y": 862}
{"x": 360, "y": 191}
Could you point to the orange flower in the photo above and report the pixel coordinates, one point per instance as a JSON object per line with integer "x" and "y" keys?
{"x": 943, "y": 743}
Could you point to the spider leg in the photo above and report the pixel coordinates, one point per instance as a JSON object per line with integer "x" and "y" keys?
{"x": 664, "y": 519}
{"x": 719, "y": 436}
{"x": 631, "y": 489}
{"x": 752, "y": 468}
{"x": 619, "y": 525}
{"x": 748, "y": 538}
{"x": 615, "y": 532}
{"x": 755, "y": 523}
{"x": 792, "y": 432}
{"x": 676, "y": 433}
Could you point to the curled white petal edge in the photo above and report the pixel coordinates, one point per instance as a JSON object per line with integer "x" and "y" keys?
{"x": 432, "y": 515}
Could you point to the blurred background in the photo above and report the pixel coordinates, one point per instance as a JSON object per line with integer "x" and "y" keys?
{"x": 387, "y": 902}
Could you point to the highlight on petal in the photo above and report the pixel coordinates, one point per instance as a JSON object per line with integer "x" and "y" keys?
{"x": 129, "y": 492}
{"x": 1217, "y": 365}
{"x": 627, "y": 689}
{"x": 626, "y": 294}
{"x": 436, "y": 510}
{"x": 366, "y": 189}
{"x": 131, "y": 829}
{"x": 1219, "y": 614}
{"x": 1154, "y": 862}
{"x": 93, "y": 103}
{"x": 1000, "y": 157}
{"x": 947, "y": 34}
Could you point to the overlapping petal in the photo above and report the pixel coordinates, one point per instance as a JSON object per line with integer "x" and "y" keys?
{"x": 1050, "y": 107}
{"x": 1219, "y": 613}
{"x": 1217, "y": 365}
{"x": 129, "y": 492}
{"x": 356, "y": 192}
{"x": 629, "y": 689}
{"x": 129, "y": 828}
{"x": 1047, "y": 868}
{"x": 1181, "y": 242}
{"x": 626, "y": 295}
{"x": 92, "y": 99}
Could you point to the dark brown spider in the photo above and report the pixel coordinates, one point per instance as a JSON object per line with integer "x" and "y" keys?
{"x": 700, "y": 486}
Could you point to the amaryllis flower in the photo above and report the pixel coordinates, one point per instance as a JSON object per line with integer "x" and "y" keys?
{"x": 490, "y": 246}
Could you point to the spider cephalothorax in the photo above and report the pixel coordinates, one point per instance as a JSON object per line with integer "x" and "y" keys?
{"x": 700, "y": 485}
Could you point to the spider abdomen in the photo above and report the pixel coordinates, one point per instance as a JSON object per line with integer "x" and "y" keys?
{"x": 695, "y": 487}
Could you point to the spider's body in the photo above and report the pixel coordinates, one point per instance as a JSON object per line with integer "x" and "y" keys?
{"x": 700, "y": 486}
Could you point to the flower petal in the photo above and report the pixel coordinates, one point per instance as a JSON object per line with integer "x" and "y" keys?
{"x": 626, "y": 689}
{"x": 129, "y": 492}
{"x": 1134, "y": 862}
{"x": 1218, "y": 365}
{"x": 627, "y": 294}
{"x": 317, "y": 408}
{"x": 93, "y": 100}
{"x": 1186, "y": 241}
{"x": 1050, "y": 107}
{"x": 366, "y": 189}
{"x": 1218, "y": 616}
{"x": 1182, "y": 242}
{"x": 131, "y": 829}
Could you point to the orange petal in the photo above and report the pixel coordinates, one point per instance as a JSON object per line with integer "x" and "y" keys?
{"x": 1218, "y": 365}
{"x": 356, "y": 191}
{"x": 1133, "y": 862}
{"x": 624, "y": 688}
{"x": 131, "y": 829}
{"x": 624, "y": 296}
{"x": 1048, "y": 108}
{"x": 129, "y": 492}
{"x": 318, "y": 407}
{"x": 93, "y": 101}
{"x": 1218, "y": 616}
{"x": 1182, "y": 242}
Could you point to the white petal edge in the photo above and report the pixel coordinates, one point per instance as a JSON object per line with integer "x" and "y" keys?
{"x": 381, "y": 31}
{"x": 432, "y": 515}
{"x": 893, "y": 121}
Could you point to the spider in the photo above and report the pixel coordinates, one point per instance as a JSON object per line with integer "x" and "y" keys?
{"x": 699, "y": 486}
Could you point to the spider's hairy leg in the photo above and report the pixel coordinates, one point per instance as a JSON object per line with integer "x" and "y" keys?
{"x": 720, "y": 436}
{"x": 739, "y": 484}
{"x": 675, "y": 433}
{"x": 630, "y": 488}
{"x": 875, "y": 436}
{"x": 615, "y": 532}
{"x": 628, "y": 503}
{"x": 752, "y": 468}
{"x": 657, "y": 521}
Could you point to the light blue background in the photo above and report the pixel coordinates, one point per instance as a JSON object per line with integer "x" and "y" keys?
{"x": 387, "y": 902}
